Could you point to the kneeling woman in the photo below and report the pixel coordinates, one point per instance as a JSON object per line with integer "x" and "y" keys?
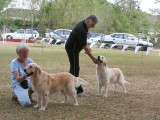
{"x": 21, "y": 84}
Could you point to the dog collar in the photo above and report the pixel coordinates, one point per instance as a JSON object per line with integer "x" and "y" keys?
{"x": 29, "y": 74}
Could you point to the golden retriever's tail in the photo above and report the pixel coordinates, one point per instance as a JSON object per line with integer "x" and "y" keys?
{"x": 79, "y": 81}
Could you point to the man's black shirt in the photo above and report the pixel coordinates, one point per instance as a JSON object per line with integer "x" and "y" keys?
{"x": 78, "y": 37}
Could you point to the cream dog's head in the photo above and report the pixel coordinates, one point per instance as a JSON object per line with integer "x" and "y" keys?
{"x": 32, "y": 68}
{"x": 101, "y": 60}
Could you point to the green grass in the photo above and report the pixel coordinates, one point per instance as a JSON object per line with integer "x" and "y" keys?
{"x": 140, "y": 103}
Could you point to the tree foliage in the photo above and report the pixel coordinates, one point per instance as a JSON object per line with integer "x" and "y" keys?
{"x": 122, "y": 16}
{"x": 119, "y": 17}
{"x": 3, "y": 3}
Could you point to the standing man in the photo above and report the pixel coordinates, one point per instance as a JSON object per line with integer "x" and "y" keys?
{"x": 75, "y": 43}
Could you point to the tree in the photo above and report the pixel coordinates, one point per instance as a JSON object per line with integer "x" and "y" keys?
{"x": 156, "y": 19}
{"x": 4, "y": 3}
{"x": 122, "y": 16}
{"x": 66, "y": 13}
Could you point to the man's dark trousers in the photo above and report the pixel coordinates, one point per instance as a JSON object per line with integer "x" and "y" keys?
{"x": 73, "y": 56}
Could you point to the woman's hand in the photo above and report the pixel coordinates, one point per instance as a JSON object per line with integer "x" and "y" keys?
{"x": 19, "y": 78}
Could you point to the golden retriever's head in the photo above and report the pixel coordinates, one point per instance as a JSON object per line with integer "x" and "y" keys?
{"x": 32, "y": 68}
{"x": 102, "y": 60}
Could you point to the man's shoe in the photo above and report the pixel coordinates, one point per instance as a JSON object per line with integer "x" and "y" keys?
{"x": 82, "y": 94}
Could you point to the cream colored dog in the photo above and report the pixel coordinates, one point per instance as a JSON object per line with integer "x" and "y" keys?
{"x": 107, "y": 75}
{"x": 44, "y": 84}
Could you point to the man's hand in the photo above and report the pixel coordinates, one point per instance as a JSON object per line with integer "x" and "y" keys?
{"x": 94, "y": 60}
{"x": 88, "y": 52}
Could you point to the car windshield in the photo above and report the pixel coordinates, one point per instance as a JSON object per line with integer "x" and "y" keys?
{"x": 117, "y": 36}
{"x": 67, "y": 32}
{"x": 19, "y": 31}
{"x": 29, "y": 31}
{"x": 49, "y": 31}
{"x": 96, "y": 35}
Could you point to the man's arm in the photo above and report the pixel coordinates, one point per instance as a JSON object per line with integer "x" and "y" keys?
{"x": 88, "y": 52}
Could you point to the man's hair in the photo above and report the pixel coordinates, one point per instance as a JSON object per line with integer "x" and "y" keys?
{"x": 20, "y": 47}
{"x": 93, "y": 18}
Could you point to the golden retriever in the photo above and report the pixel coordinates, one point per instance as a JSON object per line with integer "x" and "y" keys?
{"x": 105, "y": 75}
{"x": 44, "y": 84}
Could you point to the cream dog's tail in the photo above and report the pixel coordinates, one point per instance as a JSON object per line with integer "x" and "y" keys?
{"x": 79, "y": 81}
{"x": 121, "y": 77}
{"x": 127, "y": 83}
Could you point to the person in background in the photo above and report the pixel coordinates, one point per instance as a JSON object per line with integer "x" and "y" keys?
{"x": 21, "y": 84}
{"x": 75, "y": 43}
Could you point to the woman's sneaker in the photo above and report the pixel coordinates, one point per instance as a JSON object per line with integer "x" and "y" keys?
{"x": 14, "y": 97}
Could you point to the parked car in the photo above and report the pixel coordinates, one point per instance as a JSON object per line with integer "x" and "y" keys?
{"x": 96, "y": 37}
{"x": 126, "y": 39}
{"x": 60, "y": 35}
{"x": 47, "y": 33}
{"x": 27, "y": 34}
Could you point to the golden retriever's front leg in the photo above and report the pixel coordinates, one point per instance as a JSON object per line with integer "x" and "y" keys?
{"x": 105, "y": 90}
{"x": 44, "y": 101}
{"x": 99, "y": 89}
{"x": 39, "y": 99}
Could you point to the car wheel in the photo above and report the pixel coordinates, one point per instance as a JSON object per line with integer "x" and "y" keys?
{"x": 58, "y": 43}
{"x": 31, "y": 38}
{"x": 53, "y": 41}
{"x": 143, "y": 47}
{"x": 110, "y": 44}
{"x": 9, "y": 37}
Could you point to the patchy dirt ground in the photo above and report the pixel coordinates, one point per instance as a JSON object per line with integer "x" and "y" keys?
{"x": 140, "y": 103}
